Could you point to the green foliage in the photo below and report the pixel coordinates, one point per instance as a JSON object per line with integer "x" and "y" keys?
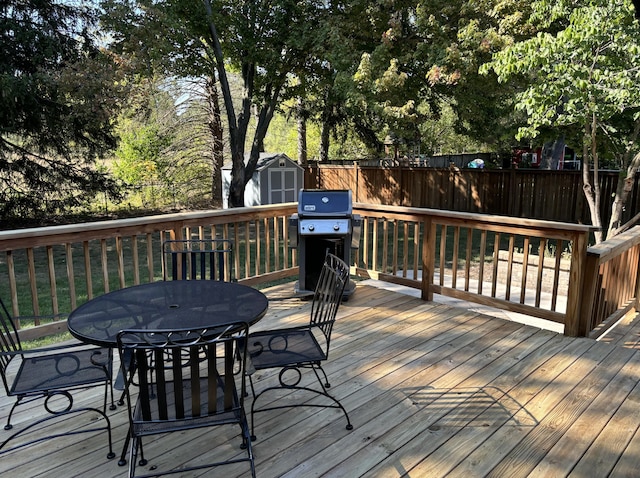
{"x": 162, "y": 153}
{"x": 583, "y": 67}
{"x": 139, "y": 154}
{"x": 264, "y": 43}
{"x": 283, "y": 137}
{"x": 59, "y": 91}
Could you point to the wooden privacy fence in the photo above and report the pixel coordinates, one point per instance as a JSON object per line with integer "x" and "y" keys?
{"x": 523, "y": 265}
{"x": 527, "y": 193}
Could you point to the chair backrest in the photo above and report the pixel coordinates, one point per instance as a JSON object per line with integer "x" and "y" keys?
{"x": 9, "y": 340}
{"x": 190, "y": 259}
{"x": 202, "y": 386}
{"x": 328, "y": 295}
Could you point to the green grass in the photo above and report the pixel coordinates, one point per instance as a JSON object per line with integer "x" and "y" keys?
{"x": 46, "y": 341}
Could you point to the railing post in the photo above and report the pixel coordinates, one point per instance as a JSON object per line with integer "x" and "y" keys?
{"x": 588, "y": 295}
{"x": 176, "y": 233}
{"x": 428, "y": 258}
{"x": 576, "y": 320}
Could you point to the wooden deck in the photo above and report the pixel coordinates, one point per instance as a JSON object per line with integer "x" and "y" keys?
{"x": 432, "y": 391}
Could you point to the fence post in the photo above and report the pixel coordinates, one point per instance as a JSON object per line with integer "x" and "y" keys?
{"x": 575, "y": 319}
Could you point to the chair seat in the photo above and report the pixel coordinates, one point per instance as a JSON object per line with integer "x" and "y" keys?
{"x": 61, "y": 370}
{"x": 283, "y": 347}
{"x": 297, "y": 349}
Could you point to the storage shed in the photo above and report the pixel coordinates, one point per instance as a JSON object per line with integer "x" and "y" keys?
{"x": 276, "y": 179}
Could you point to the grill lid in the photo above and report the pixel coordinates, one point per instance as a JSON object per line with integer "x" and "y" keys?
{"x": 324, "y": 202}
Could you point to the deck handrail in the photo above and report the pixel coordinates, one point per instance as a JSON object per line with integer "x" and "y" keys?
{"x": 527, "y": 266}
{"x": 47, "y": 266}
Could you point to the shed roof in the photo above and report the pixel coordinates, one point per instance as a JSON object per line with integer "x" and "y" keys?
{"x": 266, "y": 159}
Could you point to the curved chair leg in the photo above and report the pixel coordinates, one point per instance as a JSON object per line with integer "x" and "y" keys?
{"x": 254, "y": 410}
{"x": 326, "y": 383}
{"x": 110, "y": 453}
{"x": 9, "y": 426}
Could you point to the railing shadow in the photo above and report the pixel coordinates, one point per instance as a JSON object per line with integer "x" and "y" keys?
{"x": 464, "y": 407}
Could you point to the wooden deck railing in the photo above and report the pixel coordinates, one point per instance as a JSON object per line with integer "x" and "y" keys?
{"x": 612, "y": 281}
{"x": 527, "y": 266}
{"x": 47, "y": 272}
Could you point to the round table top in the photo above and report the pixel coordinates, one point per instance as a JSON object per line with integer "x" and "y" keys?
{"x": 165, "y": 305}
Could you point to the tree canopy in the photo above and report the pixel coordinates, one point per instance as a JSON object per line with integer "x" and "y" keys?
{"x": 435, "y": 74}
{"x": 265, "y": 44}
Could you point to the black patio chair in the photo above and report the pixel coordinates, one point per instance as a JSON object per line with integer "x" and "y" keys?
{"x": 174, "y": 398}
{"x": 191, "y": 259}
{"x": 206, "y": 259}
{"x": 49, "y": 374}
{"x": 295, "y": 349}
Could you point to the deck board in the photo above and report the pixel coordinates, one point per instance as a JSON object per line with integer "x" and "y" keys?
{"x": 432, "y": 390}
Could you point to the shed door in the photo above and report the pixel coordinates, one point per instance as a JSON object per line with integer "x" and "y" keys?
{"x": 282, "y": 185}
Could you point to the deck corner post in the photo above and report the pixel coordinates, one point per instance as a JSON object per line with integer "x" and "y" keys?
{"x": 576, "y": 320}
{"x": 637, "y": 291}
{"x": 588, "y": 294}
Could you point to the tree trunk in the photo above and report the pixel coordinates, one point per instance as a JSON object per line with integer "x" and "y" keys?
{"x": 236, "y": 188}
{"x": 592, "y": 190}
{"x": 324, "y": 143}
{"x": 551, "y": 154}
{"x": 302, "y": 132}
{"x": 214, "y": 124}
{"x": 625, "y": 184}
{"x": 624, "y": 188}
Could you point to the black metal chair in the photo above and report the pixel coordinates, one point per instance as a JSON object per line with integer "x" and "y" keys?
{"x": 175, "y": 398}
{"x": 51, "y": 373}
{"x": 297, "y": 348}
{"x": 190, "y": 259}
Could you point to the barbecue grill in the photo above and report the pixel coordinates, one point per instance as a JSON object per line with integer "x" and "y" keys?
{"x": 324, "y": 223}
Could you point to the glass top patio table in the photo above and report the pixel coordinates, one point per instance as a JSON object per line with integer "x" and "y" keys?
{"x": 165, "y": 305}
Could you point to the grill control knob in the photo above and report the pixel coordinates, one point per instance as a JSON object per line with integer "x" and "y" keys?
{"x": 336, "y": 227}
{"x": 311, "y": 227}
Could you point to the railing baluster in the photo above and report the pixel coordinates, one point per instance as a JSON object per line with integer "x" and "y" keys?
{"x": 52, "y": 282}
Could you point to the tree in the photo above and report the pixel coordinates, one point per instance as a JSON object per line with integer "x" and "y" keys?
{"x": 264, "y": 43}
{"x": 165, "y": 145}
{"x": 164, "y": 39}
{"x": 582, "y": 73}
{"x": 419, "y": 67}
{"x": 457, "y": 38}
{"x": 58, "y": 92}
